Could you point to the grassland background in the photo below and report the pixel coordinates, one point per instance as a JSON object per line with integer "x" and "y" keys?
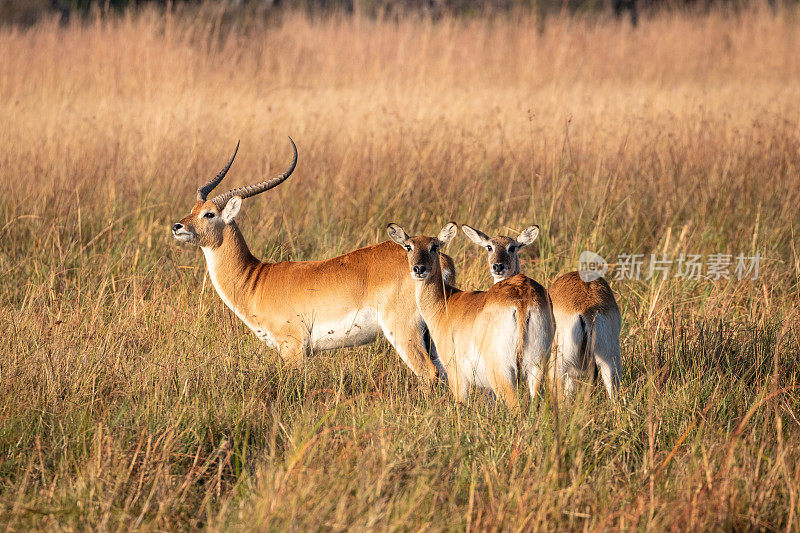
{"x": 130, "y": 398}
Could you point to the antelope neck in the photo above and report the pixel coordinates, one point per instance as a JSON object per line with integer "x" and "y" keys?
{"x": 430, "y": 294}
{"x": 228, "y": 263}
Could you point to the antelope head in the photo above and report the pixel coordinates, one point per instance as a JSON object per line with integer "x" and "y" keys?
{"x": 204, "y": 226}
{"x": 422, "y": 252}
{"x": 503, "y": 251}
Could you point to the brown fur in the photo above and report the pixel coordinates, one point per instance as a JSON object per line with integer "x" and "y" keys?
{"x": 284, "y": 299}
{"x": 458, "y": 319}
{"x": 573, "y": 295}
{"x": 570, "y": 296}
{"x": 569, "y": 292}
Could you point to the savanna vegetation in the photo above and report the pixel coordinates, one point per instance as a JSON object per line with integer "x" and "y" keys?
{"x": 130, "y": 398}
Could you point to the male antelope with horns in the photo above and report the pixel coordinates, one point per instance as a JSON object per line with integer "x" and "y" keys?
{"x": 588, "y": 320}
{"x": 297, "y": 307}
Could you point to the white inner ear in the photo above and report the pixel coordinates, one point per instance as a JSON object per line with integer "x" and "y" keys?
{"x": 397, "y": 234}
{"x": 447, "y": 233}
{"x": 475, "y": 236}
{"x": 231, "y": 209}
{"x": 528, "y": 236}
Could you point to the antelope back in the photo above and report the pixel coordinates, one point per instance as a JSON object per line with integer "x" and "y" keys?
{"x": 570, "y": 294}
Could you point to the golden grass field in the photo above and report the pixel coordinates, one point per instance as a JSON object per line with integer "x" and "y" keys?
{"x": 130, "y": 398}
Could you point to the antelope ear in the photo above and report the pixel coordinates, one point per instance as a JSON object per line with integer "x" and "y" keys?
{"x": 448, "y": 232}
{"x": 476, "y": 236}
{"x": 397, "y": 234}
{"x": 231, "y": 209}
{"x": 528, "y": 235}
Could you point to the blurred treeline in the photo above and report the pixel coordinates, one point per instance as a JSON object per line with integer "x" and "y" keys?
{"x": 26, "y": 12}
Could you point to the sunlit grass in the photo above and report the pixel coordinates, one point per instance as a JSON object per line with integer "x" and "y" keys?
{"x": 131, "y": 398}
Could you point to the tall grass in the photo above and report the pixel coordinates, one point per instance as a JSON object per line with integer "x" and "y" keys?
{"x": 131, "y": 398}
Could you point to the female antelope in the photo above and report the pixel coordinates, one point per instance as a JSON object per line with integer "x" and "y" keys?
{"x": 587, "y": 318}
{"x": 487, "y": 338}
{"x": 297, "y": 307}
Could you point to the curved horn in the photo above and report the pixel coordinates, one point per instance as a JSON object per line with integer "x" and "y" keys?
{"x": 202, "y": 192}
{"x": 258, "y": 188}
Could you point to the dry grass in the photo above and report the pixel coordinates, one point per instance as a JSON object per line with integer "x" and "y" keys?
{"x": 131, "y": 399}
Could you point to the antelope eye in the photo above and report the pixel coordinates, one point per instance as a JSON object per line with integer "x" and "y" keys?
{"x": 489, "y": 248}
{"x": 512, "y": 249}
{"x": 434, "y": 249}
{"x": 407, "y": 247}
{"x": 209, "y": 215}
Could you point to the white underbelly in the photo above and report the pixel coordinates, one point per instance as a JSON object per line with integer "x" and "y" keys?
{"x": 353, "y": 329}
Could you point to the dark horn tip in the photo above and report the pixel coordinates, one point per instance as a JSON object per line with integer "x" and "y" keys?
{"x": 293, "y": 164}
